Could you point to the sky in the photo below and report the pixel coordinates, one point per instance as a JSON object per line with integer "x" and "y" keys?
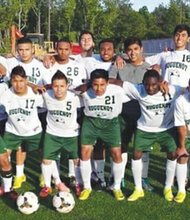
{"x": 151, "y": 4}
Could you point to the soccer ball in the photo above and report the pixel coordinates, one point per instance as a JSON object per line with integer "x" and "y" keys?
{"x": 63, "y": 202}
{"x": 27, "y": 203}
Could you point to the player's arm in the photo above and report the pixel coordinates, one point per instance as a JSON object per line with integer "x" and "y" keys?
{"x": 49, "y": 60}
{"x": 3, "y": 70}
{"x": 117, "y": 82}
{"x": 37, "y": 88}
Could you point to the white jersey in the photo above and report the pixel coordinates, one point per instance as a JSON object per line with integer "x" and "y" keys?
{"x": 156, "y": 110}
{"x": 34, "y": 70}
{"x": 107, "y": 106}
{"x": 92, "y": 63}
{"x": 74, "y": 71}
{"x": 175, "y": 66}
{"x": 182, "y": 111}
{"x": 62, "y": 114}
{"x": 3, "y": 88}
{"x": 22, "y": 112}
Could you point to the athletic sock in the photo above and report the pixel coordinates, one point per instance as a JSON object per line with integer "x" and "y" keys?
{"x": 55, "y": 173}
{"x": 99, "y": 169}
{"x": 85, "y": 168}
{"x": 19, "y": 170}
{"x": 117, "y": 174}
{"x": 47, "y": 173}
{"x": 124, "y": 162}
{"x": 71, "y": 167}
{"x": 181, "y": 174}
{"x": 78, "y": 175}
{"x": 145, "y": 164}
{"x": 137, "y": 173}
{"x": 170, "y": 173}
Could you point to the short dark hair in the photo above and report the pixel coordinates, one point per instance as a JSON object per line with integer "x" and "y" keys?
{"x": 106, "y": 40}
{"x": 59, "y": 75}
{"x": 24, "y": 40}
{"x": 132, "y": 40}
{"x": 18, "y": 71}
{"x": 86, "y": 32}
{"x": 64, "y": 40}
{"x": 99, "y": 73}
{"x": 180, "y": 28}
{"x": 151, "y": 73}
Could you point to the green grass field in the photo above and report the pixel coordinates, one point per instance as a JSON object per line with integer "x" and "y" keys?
{"x": 102, "y": 205}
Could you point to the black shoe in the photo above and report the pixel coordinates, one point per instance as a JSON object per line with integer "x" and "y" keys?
{"x": 100, "y": 186}
{"x": 13, "y": 195}
{"x": 72, "y": 181}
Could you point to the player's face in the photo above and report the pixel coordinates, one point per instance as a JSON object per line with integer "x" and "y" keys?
{"x": 59, "y": 87}
{"x": 134, "y": 52}
{"x": 19, "y": 85}
{"x": 106, "y": 51}
{"x": 25, "y": 52}
{"x": 181, "y": 39}
{"x": 99, "y": 86}
{"x": 63, "y": 51}
{"x": 152, "y": 85}
{"x": 86, "y": 42}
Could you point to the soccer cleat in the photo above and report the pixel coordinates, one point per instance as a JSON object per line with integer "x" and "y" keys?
{"x": 187, "y": 185}
{"x": 168, "y": 194}
{"x": 123, "y": 183}
{"x": 146, "y": 185}
{"x": 100, "y": 185}
{"x": 62, "y": 187}
{"x": 72, "y": 181}
{"x": 45, "y": 191}
{"x": 118, "y": 194}
{"x": 137, "y": 194}
{"x": 180, "y": 197}
{"x": 85, "y": 194}
{"x": 13, "y": 195}
{"x": 41, "y": 181}
{"x": 18, "y": 180}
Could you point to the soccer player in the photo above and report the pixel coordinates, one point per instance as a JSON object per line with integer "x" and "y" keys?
{"x": 154, "y": 125}
{"x": 34, "y": 70}
{"x": 133, "y": 71}
{"x": 182, "y": 122}
{"x": 62, "y": 130}
{"x": 23, "y": 127}
{"x": 102, "y": 105}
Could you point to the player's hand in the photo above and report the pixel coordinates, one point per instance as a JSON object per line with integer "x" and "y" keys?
{"x": 39, "y": 89}
{"x": 164, "y": 88}
{"x": 156, "y": 67}
{"x": 3, "y": 70}
{"x": 119, "y": 62}
{"x": 181, "y": 152}
{"x": 48, "y": 61}
{"x": 82, "y": 88}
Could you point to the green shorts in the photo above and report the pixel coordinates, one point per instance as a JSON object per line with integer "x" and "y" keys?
{"x": 54, "y": 145}
{"x": 28, "y": 143}
{"x": 3, "y": 147}
{"x": 144, "y": 140}
{"x": 105, "y": 129}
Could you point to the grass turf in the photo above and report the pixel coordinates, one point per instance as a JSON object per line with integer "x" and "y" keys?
{"x": 102, "y": 205}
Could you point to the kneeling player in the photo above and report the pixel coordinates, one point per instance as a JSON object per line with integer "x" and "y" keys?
{"x": 102, "y": 105}
{"x": 61, "y": 133}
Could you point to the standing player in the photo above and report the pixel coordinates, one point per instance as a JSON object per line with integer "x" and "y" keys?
{"x": 175, "y": 65}
{"x": 62, "y": 129}
{"x": 23, "y": 127}
{"x": 182, "y": 122}
{"x": 133, "y": 71}
{"x": 154, "y": 125}
{"x": 34, "y": 70}
{"x": 103, "y": 104}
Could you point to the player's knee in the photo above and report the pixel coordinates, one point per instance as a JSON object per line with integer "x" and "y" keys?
{"x": 4, "y": 162}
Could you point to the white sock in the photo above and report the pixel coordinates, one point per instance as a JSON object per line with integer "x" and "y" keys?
{"x": 71, "y": 168}
{"x": 55, "y": 173}
{"x": 124, "y": 162}
{"x": 137, "y": 173}
{"x": 7, "y": 183}
{"x": 78, "y": 175}
{"x": 170, "y": 172}
{"x": 117, "y": 174}
{"x": 85, "y": 168}
{"x": 47, "y": 172}
{"x": 19, "y": 170}
{"x": 181, "y": 175}
{"x": 99, "y": 169}
{"x": 145, "y": 164}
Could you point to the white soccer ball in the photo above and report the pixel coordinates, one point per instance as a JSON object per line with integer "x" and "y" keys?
{"x": 63, "y": 202}
{"x": 27, "y": 203}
